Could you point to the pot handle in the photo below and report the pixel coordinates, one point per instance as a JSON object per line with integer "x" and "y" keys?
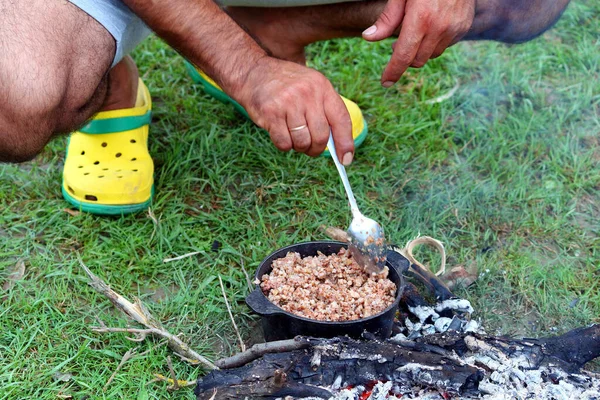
{"x": 397, "y": 260}
{"x": 258, "y": 303}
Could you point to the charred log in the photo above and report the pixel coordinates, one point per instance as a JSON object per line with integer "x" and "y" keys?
{"x": 335, "y": 362}
{"x": 451, "y": 363}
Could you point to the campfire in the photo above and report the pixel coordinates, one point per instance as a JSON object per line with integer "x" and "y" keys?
{"x": 461, "y": 361}
{"x": 436, "y": 351}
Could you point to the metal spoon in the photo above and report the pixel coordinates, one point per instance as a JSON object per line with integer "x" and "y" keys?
{"x": 367, "y": 242}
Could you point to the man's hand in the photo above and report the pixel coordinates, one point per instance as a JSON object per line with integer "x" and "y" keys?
{"x": 297, "y": 106}
{"x": 427, "y": 28}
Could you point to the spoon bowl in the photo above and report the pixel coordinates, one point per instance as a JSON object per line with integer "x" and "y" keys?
{"x": 367, "y": 240}
{"x": 367, "y": 243}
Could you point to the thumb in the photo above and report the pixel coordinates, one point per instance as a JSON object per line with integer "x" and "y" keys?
{"x": 389, "y": 20}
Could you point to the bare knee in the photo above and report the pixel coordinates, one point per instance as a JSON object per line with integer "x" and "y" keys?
{"x": 20, "y": 141}
{"x": 52, "y": 73}
{"x": 35, "y": 109}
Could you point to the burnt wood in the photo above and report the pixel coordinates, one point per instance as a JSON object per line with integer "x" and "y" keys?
{"x": 428, "y": 362}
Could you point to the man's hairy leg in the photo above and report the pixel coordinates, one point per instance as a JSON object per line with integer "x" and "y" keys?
{"x": 514, "y": 21}
{"x": 285, "y": 31}
{"x": 54, "y": 60}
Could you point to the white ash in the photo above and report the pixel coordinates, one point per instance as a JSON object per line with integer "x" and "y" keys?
{"x": 337, "y": 384}
{"x": 315, "y": 360}
{"x": 381, "y": 391}
{"x": 429, "y": 321}
{"x": 442, "y": 324}
{"x": 503, "y": 384}
{"x": 473, "y": 327}
{"x": 423, "y": 312}
{"x": 460, "y": 305}
{"x": 506, "y": 378}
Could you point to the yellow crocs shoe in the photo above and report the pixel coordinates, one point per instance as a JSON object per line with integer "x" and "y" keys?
{"x": 108, "y": 170}
{"x": 359, "y": 125}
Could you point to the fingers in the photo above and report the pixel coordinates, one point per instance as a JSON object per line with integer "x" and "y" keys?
{"x": 280, "y": 136}
{"x": 341, "y": 128}
{"x": 389, "y": 20}
{"x": 298, "y": 106}
{"x": 319, "y": 130}
{"x": 299, "y": 132}
{"x": 427, "y": 29}
{"x": 426, "y": 49}
{"x": 405, "y": 50}
{"x": 442, "y": 46}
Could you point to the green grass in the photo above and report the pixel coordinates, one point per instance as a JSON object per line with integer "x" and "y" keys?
{"x": 505, "y": 173}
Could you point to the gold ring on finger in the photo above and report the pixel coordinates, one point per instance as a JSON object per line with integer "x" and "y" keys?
{"x": 298, "y": 128}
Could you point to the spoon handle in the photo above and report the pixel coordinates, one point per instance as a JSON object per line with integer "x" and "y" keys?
{"x": 342, "y": 171}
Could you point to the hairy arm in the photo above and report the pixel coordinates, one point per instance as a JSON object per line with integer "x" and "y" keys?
{"x": 279, "y": 96}
{"x": 205, "y": 35}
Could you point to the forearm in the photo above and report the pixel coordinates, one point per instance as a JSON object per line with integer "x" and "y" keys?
{"x": 205, "y": 35}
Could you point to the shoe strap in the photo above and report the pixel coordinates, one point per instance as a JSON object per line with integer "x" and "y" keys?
{"x": 114, "y": 125}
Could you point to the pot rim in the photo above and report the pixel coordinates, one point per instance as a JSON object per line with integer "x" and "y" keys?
{"x": 398, "y": 297}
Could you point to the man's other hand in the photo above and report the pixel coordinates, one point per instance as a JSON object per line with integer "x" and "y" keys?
{"x": 426, "y": 28}
{"x": 297, "y": 106}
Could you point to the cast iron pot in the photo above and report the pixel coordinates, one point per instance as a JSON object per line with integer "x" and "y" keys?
{"x": 279, "y": 324}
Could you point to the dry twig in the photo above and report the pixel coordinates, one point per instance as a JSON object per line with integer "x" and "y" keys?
{"x": 139, "y": 313}
{"x": 72, "y": 213}
{"x": 130, "y": 353}
{"x": 193, "y": 253}
{"x": 259, "y": 350}
{"x": 173, "y": 376}
{"x": 248, "y": 281}
{"x": 335, "y": 233}
{"x": 242, "y": 345}
{"x": 155, "y": 221}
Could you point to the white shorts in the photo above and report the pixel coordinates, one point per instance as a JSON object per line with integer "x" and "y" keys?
{"x": 128, "y": 30}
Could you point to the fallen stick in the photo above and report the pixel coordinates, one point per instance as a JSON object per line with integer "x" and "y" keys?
{"x": 128, "y": 354}
{"x": 139, "y": 313}
{"x": 449, "y": 365}
{"x": 173, "y": 376}
{"x": 181, "y": 257}
{"x": 248, "y": 281}
{"x": 242, "y": 345}
{"x": 260, "y": 349}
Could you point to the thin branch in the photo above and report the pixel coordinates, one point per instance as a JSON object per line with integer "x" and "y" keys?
{"x": 130, "y": 353}
{"x": 193, "y": 253}
{"x": 139, "y": 313}
{"x": 173, "y": 376}
{"x": 248, "y": 281}
{"x": 242, "y": 345}
{"x": 155, "y": 221}
{"x": 139, "y": 334}
{"x": 335, "y": 233}
{"x": 259, "y": 350}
